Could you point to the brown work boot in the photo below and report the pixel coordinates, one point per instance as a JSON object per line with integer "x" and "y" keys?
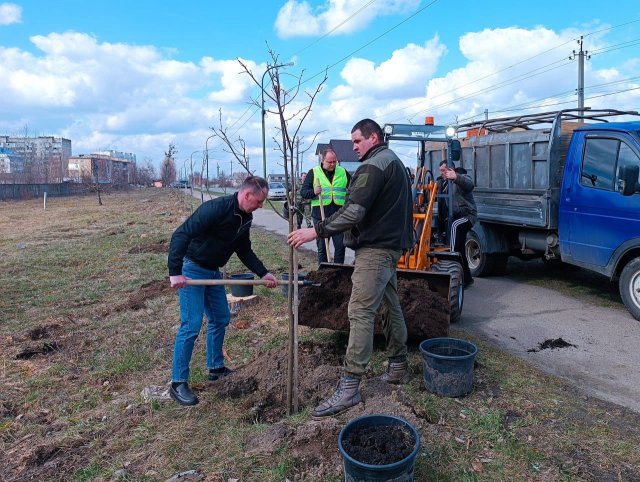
{"x": 347, "y": 395}
{"x": 397, "y": 373}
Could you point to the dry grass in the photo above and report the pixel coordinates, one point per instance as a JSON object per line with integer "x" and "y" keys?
{"x": 75, "y": 412}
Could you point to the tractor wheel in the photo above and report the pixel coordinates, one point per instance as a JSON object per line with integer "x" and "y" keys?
{"x": 456, "y": 289}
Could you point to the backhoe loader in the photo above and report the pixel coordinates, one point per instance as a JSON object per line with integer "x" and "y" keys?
{"x": 429, "y": 275}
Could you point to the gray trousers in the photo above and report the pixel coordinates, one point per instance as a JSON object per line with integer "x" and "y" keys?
{"x": 374, "y": 282}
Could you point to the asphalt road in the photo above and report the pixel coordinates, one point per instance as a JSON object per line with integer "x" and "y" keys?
{"x": 517, "y": 317}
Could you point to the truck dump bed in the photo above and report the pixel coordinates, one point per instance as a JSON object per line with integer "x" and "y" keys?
{"x": 517, "y": 162}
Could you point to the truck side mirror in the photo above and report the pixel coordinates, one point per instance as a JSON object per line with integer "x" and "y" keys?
{"x": 456, "y": 149}
{"x": 628, "y": 180}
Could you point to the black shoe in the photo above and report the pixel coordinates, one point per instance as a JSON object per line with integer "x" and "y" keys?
{"x": 182, "y": 394}
{"x": 215, "y": 373}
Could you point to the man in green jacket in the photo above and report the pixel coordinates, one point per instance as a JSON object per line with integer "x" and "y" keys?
{"x": 377, "y": 221}
{"x": 328, "y": 183}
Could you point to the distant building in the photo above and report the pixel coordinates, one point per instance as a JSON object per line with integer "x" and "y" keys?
{"x": 45, "y": 157}
{"x": 10, "y": 162}
{"x": 347, "y": 157}
{"x": 105, "y": 167}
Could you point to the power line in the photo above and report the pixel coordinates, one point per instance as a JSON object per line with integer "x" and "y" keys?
{"x": 509, "y": 67}
{"x": 348, "y": 19}
{"x": 521, "y": 107}
{"x": 370, "y": 42}
{"x": 525, "y": 76}
{"x": 610, "y": 48}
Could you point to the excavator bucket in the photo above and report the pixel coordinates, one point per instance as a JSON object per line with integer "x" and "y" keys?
{"x": 424, "y": 298}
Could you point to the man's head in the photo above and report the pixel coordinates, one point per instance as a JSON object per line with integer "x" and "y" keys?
{"x": 364, "y": 135}
{"x": 444, "y": 168}
{"x": 303, "y": 176}
{"x": 329, "y": 160}
{"x": 252, "y": 193}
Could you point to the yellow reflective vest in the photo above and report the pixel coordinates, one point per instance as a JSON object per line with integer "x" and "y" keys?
{"x": 335, "y": 191}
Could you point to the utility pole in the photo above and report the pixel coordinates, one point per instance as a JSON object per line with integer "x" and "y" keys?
{"x": 581, "y": 56}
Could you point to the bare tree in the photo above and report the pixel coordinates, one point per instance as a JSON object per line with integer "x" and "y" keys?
{"x": 168, "y": 169}
{"x": 292, "y": 112}
{"x": 146, "y": 173}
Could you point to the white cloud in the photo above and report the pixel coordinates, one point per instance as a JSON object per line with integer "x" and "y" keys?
{"x": 299, "y": 19}
{"x": 234, "y": 81}
{"x": 526, "y": 69}
{"x": 404, "y": 74}
{"x": 10, "y": 13}
{"x": 139, "y": 98}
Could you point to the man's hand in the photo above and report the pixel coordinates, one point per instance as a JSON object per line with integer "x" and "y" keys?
{"x": 271, "y": 280}
{"x": 450, "y": 174}
{"x": 178, "y": 281}
{"x": 301, "y": 236}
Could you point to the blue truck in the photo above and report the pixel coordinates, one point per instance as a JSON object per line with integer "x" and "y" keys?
{"x": 562, "y": 186}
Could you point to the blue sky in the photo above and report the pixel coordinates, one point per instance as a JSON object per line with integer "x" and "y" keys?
{"x": 136, "y": 76}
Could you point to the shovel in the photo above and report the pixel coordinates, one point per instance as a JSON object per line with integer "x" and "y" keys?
{"x": 326, "y": 240}
{"x": 245, "y": 282}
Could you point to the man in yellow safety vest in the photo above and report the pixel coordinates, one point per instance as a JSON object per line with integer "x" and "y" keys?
{"x": 327, "y": 183}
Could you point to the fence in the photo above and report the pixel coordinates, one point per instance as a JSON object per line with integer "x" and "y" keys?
{"x": 19, "y": 192}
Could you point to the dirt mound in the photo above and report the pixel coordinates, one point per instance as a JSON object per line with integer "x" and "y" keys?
{"x": 265, "y": 389}
{"x": 325, "y": 306}
{"x": 147, "y": 291}
{"x": 161, "y": 247}
{"x": 260, "y": 388}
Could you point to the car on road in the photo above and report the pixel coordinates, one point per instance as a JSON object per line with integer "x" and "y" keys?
{"x": 277, "y": 191}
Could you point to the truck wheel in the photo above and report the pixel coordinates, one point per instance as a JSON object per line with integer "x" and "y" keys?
{"x": 480, "y": 263}
{"x": 629, "y": 286}
{"x": 456, "y": 289}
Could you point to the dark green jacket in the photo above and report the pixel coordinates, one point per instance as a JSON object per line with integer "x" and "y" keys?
{"x": 377, "y": 212}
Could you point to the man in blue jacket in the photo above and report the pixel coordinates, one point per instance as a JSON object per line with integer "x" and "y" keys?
{"x": 198, "y": 248}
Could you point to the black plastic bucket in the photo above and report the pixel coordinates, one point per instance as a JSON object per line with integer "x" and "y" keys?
{"x": 448, "y": 366}
{"x": 358, "y": 471}
{"x": 240, "y": 291}
{"x": 285, "y": 277}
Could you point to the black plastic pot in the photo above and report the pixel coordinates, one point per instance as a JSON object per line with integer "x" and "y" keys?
{"x": 448, "y": 366}
{"x": 240, "y": 291}
{"x": 357, "y": 471}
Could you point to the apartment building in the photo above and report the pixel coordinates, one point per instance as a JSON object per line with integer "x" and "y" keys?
{"x": 104, "y": 167}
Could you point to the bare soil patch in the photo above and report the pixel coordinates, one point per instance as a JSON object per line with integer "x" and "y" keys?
{"x": 552, "y": 344}
{"x": 161, "y": 247}
{"x": 325, "y": 306}
{"x": 379, "y": 445}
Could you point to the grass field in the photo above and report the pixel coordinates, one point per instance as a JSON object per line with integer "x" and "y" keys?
{"x": 88, "y": 322}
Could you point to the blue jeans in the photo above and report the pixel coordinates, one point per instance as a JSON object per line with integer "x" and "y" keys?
{"x": 194, "y": 302}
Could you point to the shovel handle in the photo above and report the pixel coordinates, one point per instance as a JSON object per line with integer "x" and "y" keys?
{"x": 241, "y": 282}
{"x": 326, "y": 240}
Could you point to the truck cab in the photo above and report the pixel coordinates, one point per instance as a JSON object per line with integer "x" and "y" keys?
{"x": 597, "y": 221}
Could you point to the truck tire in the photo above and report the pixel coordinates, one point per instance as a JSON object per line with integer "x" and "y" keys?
{"x": 456, "y": 289}
{"x": 479, "y": 262}
{"x": 629, "y": 286}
